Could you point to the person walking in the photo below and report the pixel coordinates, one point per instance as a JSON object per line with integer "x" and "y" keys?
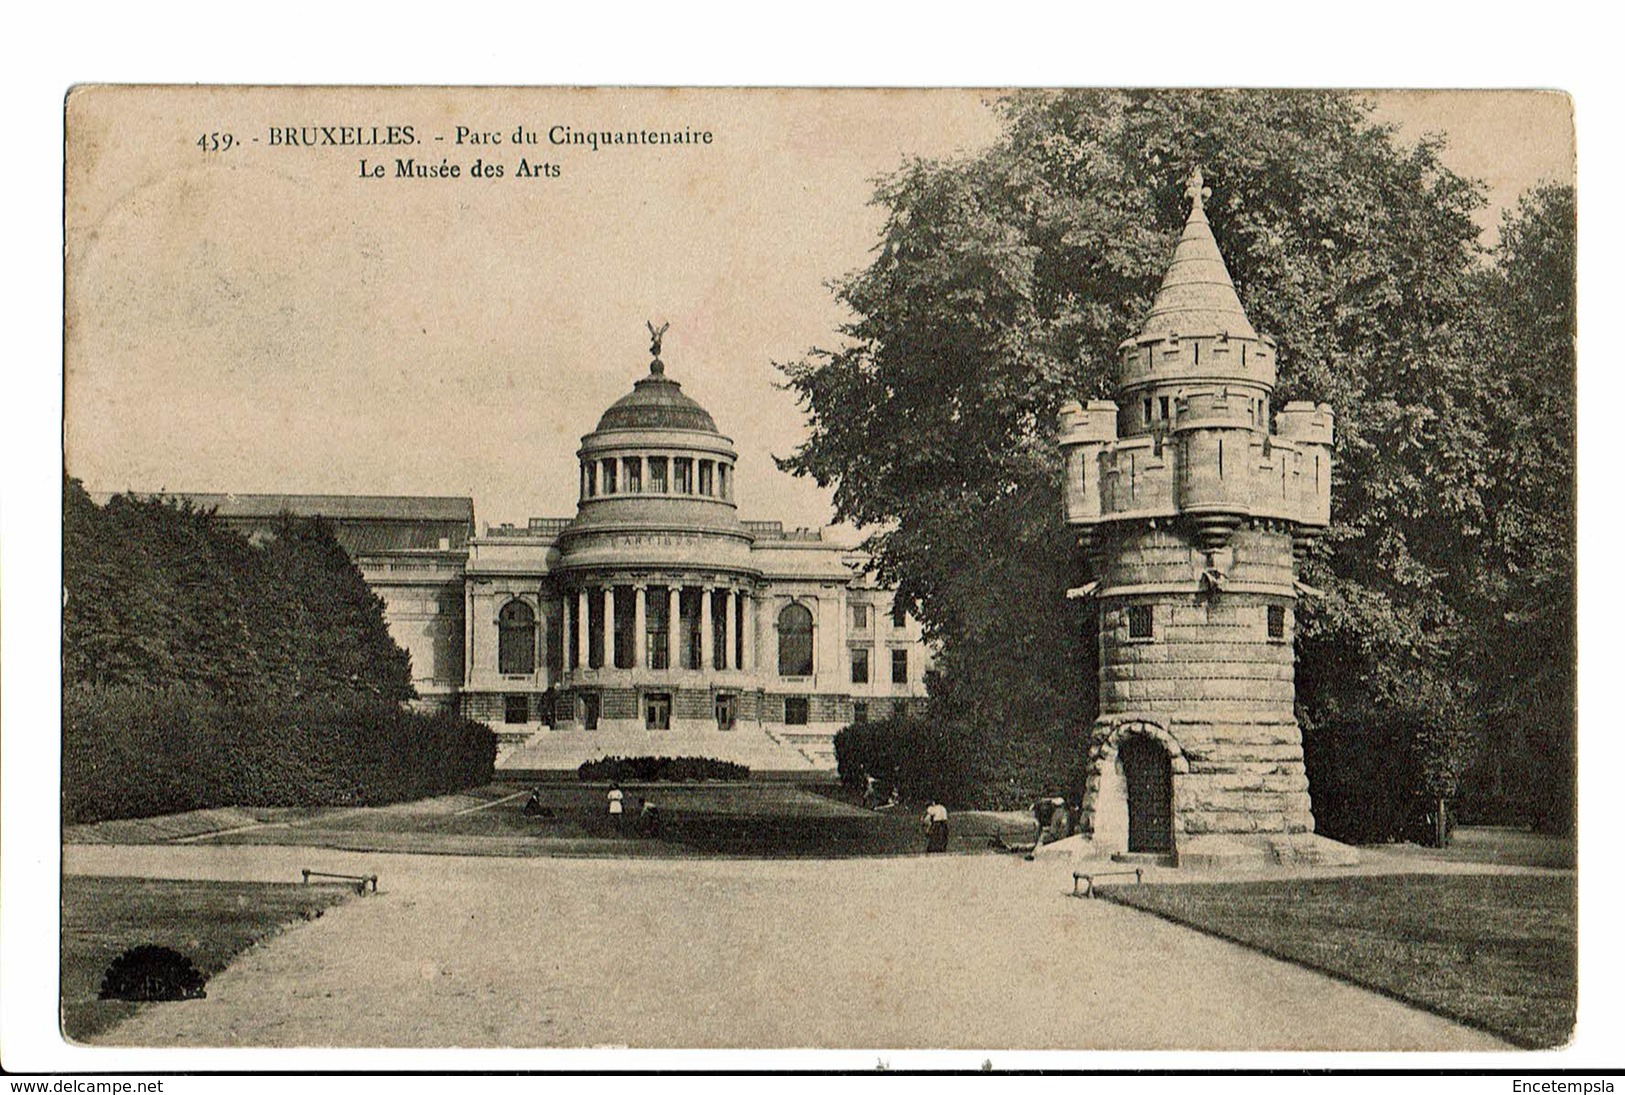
{"x": 616, "y": 802}
{"x": 936, "y": 827}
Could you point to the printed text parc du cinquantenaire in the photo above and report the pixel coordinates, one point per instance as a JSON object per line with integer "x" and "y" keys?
{"x": 519, "y": 151}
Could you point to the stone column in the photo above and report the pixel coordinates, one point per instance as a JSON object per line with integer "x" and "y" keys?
{"x": 730, "y": 617}
{"x": 747, "y": 652}
{"x": 582, "y": 629}
{"x": 640, "y": 624}
{"x": 468, "y": 633}
{"x": 673, "y": 604}
{"x": 565, "y": 636}
{"x": 705, "y": 629}
{"x": 608, "y": 656}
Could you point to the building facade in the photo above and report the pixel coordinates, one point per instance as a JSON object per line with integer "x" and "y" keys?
{"x": 653, "y": 622}
{"x": 1195, "y": 499}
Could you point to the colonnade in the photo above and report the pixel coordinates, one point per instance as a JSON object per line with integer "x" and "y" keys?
{"x": 738, "y": 642}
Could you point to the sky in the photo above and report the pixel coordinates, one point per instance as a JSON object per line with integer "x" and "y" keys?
{"x": 265, "y": 319}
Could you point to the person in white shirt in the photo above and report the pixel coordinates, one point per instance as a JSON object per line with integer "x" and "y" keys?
{"x": 615, "y": 802}
{"x": 936, "y": 827}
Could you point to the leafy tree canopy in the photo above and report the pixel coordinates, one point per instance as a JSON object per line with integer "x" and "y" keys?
{"x": 1001, "y": 287}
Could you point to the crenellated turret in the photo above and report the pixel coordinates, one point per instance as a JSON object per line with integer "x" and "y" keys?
{"x": 1192, "y": 432}
{"x": 1193, "y": 512}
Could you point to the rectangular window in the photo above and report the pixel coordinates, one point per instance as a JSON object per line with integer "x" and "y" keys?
{"x": 860, "y": 666}
{"x": 1148, "y": 411}
{"x": 657, "y": 711}
{"x": 682, "y": 475}
{"x": 589, "y": 710}
{"x": 726, "y": 707}
{"x": 515, "y": 709}
{"x": 707, "y": 482}
{"x": 899, "y": 667}
{"x": 723, "y": 489}
{"x": 795, "y": 710}
{"x": 658, "y": 656}
{"x": 1139, "y": 621}
{"x": 592, "y": 477}
{"x": 1163, "y": 401}
{"x": 860, "y": 712}
{"x": 899, "y": 615}
{"x": 609, "y": 476}
{"x": 632, "y": 474}
{"x": 657, "y": 474}
{"x": 860, "y": 617}
{"x": 1277, "y": 621}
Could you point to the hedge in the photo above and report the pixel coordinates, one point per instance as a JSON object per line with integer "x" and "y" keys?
{"x": 927, "y": 758}
{"x": 131, "y": 752}
{"x": 660, "y": 769}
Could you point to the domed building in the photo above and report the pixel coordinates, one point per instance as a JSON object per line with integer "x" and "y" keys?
{"x": 657, "y": 622}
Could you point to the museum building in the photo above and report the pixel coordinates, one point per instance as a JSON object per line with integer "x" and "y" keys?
{"x": 653, "y": 622}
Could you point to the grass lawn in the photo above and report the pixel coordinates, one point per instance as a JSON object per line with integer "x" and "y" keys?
{"x": 695, "y": 820}
{"x": 208, "y": 922}
{"x": 1495, "y": 951}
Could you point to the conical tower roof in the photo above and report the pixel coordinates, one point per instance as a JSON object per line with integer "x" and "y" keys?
{"x": 1197, "y": 296}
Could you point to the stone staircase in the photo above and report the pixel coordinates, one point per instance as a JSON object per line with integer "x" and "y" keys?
{"x": 757, "y": 749}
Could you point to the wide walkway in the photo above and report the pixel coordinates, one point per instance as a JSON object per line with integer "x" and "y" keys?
{"x": 954, "y": 952}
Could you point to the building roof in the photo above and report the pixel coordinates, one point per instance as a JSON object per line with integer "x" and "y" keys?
{"x": 1197, "y": 296}
{"x": 335, "y": 507}
{"x": 656, "y": 403}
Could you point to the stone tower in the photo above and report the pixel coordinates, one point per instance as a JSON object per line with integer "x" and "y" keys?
{"x": 1194, "y": 510}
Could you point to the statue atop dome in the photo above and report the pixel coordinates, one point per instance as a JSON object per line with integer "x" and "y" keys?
{"x": 656, "y": 367}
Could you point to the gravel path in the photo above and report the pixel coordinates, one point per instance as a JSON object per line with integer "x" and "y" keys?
{"x": 952, "y": 952}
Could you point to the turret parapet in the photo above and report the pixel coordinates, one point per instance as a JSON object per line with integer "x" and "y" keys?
{"x": 1305, "y": 422}
{"x": 1154, "y": 358}
{"x": 1091, "y": 423}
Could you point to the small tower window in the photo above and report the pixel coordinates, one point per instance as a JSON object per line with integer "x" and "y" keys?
{"x": 609, "y": 476}
{"x": 1277, "y": 621}
{"x": 590, "y": 469}
{"x": 682, "y": 475}
{"x": 1163, "y": 406}
{"x": 632, "y": 474}
{"x": 707, "y": 487}
{"x": 1139, "y": 622}
{"x": 1148, "y": 411}
{"x": 657, "y": 474}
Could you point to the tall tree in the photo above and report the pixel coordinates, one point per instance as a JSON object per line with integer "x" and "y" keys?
{"x": 1002, "y": 285}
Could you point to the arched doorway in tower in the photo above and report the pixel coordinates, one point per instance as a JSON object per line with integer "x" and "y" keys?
{"x": 1148, "y": 784}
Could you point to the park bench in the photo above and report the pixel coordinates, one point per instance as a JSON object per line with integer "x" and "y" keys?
{"x": 1087, "y": 880}
{"x": 362, "y": 882}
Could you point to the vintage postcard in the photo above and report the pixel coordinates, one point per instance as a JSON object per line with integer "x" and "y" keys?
{"x": 953, "y": 569}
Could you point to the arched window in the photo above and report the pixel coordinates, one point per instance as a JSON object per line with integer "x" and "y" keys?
{"x": 795, "y": 641}
{"x": 516, "y": 638}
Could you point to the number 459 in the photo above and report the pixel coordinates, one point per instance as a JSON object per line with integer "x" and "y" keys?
{"x": 215, "y": 142}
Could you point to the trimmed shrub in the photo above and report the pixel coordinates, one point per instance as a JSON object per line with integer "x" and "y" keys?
{"x": 963, "y": 768}
{"x": 660, "y": 770}
{"x": 130, "y": 752}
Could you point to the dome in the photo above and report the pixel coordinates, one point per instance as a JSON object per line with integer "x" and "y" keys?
{"x": 656, "y": 403}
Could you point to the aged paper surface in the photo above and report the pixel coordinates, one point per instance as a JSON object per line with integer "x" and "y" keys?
{"x": 437, "y": 292}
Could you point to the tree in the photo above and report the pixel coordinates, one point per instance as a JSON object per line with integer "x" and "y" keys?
{"x": 1003, "y": 283}
{"x": 1526, "y": 642}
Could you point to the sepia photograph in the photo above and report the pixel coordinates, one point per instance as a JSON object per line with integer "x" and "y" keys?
{"x": 1080, "y": 569}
